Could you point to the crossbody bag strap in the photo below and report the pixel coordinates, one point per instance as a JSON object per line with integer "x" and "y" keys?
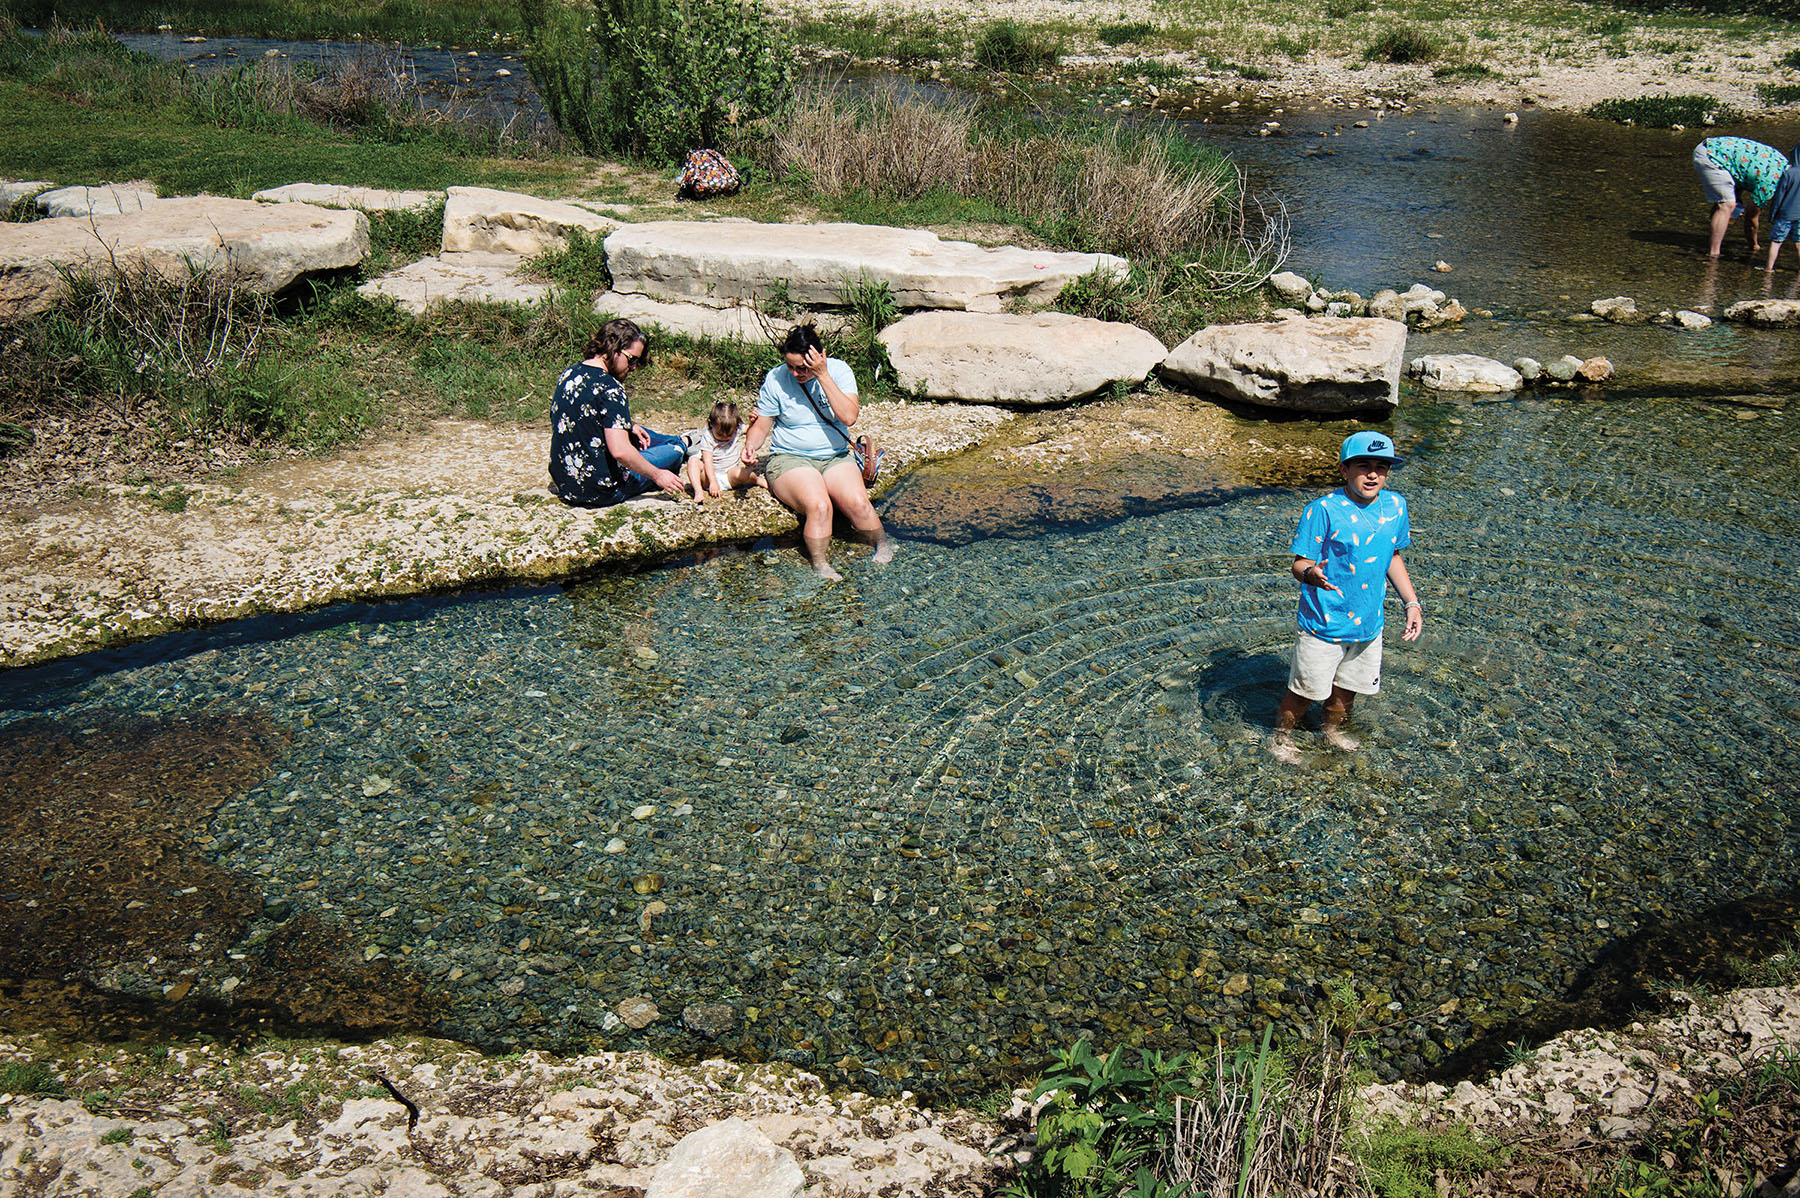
{"x": 826, "y": 414}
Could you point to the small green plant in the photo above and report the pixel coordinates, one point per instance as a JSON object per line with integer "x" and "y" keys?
{"x": 218, "y": 1134}
{"x": 1790, "y": 60}
{"x": 1611, "y": 26}
{"x": 119, "y": 1135}
{"x": 1664, "y": 112}
{"x": 28, "y": 1077}
{"x": 1007, "y": 45}
{"x": 1401, "y": 44}
{"x": 580, "y": 266}
{"x": 1778, "y": 93}
{"x": 1400, "y": 1160}
{"x": 1465, "y": 70}
{"x": 872, "y": 309}
{"x": 1337, "y": 10}
{"x": 1127, "y": 32}
{"x": 1292, "y": 47}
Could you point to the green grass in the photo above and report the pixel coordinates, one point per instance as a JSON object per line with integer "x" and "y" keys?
{"x": 1007, "y": 45}
{"x": 1402, "y": 44}
{"x": 1127, "y": 33}
{"x": 1663, "y": 112}
{"x": 119, "y": 1135}
{"x": 28, "y": 1077}
{"x": 423, "y": 22}
{"x": 1403, "y": 1161}
{"x": 1790, "y": 60}
{"x": 1778, "y": 93}
{"x": 868, "y": 36}
{"x": 1465, "y": 70}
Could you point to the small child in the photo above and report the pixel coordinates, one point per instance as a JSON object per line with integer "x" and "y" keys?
{"x": 1346, "y": 551}
{"x": 1784, "y": 209}
{"x": 716, "y": 455}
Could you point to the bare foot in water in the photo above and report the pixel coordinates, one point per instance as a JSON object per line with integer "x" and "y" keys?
{"x": 824, "y": 570}
{"x": 884, "y": 552}
{"x": 1337, "y": 738}
{"x": 1283, "y": 749}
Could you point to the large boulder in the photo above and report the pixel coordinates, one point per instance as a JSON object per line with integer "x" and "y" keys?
{"x": 718, "y": 262}
{"x": 14, "y": 190}
{"x": 1048, "y": 357}
{"x": 1326, "y": 367}
{"x": 1465, "y": 372}
{"x": 482, "y": 220}
{"x": 264, "y": 246}
{"x": 466, "y": 278}
{"x": 107, "y": 199}
{"x": 1779, "y": 313}
{"x": 739, "y": 322}
{"x": 732, "y": 1159}
{"x": 334, "y": 195}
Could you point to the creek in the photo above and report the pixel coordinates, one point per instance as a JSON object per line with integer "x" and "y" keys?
{"x": 914, "y": 830}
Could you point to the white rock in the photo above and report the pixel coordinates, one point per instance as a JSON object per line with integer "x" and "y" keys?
{"x": 1564, "y": 368}
{"x": 1291, "y": 287}
{"x": 728, "y": 1160}
{"x": 331, "y": 195}
{"x": 14, "y": 190}
{"x": 1465, "y": 372}
{"x": 1047, "y": 357}
{"x": 738, "y": 322}
{"x": 1387, "y": 305}
{"x": 474, "y": 278}
{"x": 108, "y": 199}
{"x": 1330, "y": 367}
{"x": 718, "y": 262}
{"x": 480, "y": 219}
{"x": 1620, "y": 309}
{"x": 1779, "y": 312}
{"x": 1688, "y": 319}
{"x": 1528, "y": 368}
{"x": 267, "y": 246}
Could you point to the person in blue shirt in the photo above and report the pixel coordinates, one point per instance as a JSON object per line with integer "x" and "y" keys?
{"x": 803, "y": 414}
{"x": 1784, "y": 209}
{"x": 1346, "y": 551}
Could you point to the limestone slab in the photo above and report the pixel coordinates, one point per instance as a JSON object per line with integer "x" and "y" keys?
{"x": 332, "y": 195}
{"x": 483, "y": 220}
{"x": 1465, "y": 372}
{"x": 1327, "y": 367}
{"x": 1775, "y": 312}
{"x": 266, "y": 246}
{"x": 721, "y": 261}
{"x": 1047, "y": 357}
{"x": 732, "y": 1158}
{"x": 106, "y": 199}
{"x": 14, "y": 190}
{"x": 472, "y": 278}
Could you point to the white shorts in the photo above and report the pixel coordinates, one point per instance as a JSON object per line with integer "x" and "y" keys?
{"x": 1319, "y": 665}
{"x": 1715, "y": 180}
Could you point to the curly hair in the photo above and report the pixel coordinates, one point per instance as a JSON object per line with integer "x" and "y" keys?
{"x": 800, "y": 338}
{"x": 615, "y": 337}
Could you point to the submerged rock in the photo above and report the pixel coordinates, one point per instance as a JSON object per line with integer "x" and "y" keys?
{"x": 1776, "y": 312}
{"x": 1620, "y": 309}
{"x": 1465, "y": 372}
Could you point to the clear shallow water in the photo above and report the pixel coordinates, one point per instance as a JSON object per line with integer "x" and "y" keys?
{"x": 916, "y": 828}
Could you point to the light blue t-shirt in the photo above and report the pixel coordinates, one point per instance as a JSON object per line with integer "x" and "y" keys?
{"x": 799, "y": 428}
{"x": 1356, "y": 545}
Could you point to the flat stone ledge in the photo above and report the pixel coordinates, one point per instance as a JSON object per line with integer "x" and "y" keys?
{"x": 1773, "y": 313}
{"x": 107, "y": 199}
{"x": 1048, "y": 357}
{"x": 483, "y": 220}
{"x": 471, "y": 278}
{"x": 365, "y": 199}
{"x": 736, "y": 322}
{"x": 265, "y": 246}
{"x": 717, "y": 262}
{"x": 14, "y": 190}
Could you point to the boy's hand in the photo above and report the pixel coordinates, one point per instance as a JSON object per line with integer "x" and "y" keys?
{"x": 1415, "y": 620}
{"x": 1314, "y": 576}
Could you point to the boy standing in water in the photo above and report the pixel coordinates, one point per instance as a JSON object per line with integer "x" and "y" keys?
{"x": 1346, "y": 551}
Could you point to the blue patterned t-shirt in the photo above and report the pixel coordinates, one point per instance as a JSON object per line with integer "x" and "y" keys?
{"x": 1356, "y": 545}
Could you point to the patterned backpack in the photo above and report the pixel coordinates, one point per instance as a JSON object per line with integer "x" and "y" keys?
{"x": 706, "y": 173}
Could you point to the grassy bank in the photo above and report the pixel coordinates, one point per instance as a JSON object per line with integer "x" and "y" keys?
{"x": 419, "y": 22}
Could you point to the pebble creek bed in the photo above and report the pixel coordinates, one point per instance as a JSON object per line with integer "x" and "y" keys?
{"x": 916, "y": 829}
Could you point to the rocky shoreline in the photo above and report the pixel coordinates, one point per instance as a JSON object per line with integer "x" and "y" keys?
{"x": 429, "y": 1117}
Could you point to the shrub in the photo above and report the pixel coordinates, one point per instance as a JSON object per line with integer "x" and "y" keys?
{"x": 1006, "y": 45}
{"x": 1129, "y": 31}
{"x": 1662, "y": 112}
{"x": 1465, "y": 70}
{"x": 28, "y": 1077}
{"x": 1790, "y": 60}
{"x": 1778, "y": 93}
{"x": 1337, "y": 10}
{"x": 655, "y": 78}
{"x": 1402, "y": 1161}
{"x": 579, "y": 266}
{"x": 1401, "y": 44}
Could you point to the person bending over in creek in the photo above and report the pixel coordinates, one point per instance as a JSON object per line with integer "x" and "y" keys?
{"x": 1346, "y": 551}
{"x": 803, "y": 414}
{"x": 1736, "y": 172}
{"x": 598, "y": 455}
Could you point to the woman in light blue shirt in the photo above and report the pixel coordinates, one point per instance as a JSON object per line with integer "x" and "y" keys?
{"x": 803, "y": 414}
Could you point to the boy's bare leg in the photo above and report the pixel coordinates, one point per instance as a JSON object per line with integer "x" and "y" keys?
{"x": 1281, "y": 745}
{"x": 1337, "y": 710}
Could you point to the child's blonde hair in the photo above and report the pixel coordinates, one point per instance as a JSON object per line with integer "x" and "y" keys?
{"x": 724, "y": 422}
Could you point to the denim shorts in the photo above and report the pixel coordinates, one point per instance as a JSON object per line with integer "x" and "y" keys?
{"x": 1781, "y": 230}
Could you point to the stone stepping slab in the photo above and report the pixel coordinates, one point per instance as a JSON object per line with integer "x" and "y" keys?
{"x": 736, "y": 323}
{"x": 483, "y": 220}
{"x": 717, "y": 262}
{"x": 474, "y": 278}
{"x": 266, "y": 246}
{"x": 14, "y": 190}
{"x": 1044, "y": 358}
{"x": 332, "y": 195}
{"x": 1325, "y": 367}
{"x": 105, "y": 199}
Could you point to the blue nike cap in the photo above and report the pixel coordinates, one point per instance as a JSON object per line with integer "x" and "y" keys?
{"x": 1368, "y": 445}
